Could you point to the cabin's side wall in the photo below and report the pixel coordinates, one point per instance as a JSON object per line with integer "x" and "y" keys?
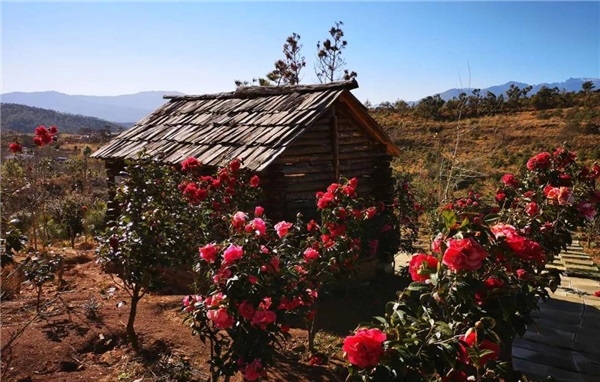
{"x": 334, "y": 147}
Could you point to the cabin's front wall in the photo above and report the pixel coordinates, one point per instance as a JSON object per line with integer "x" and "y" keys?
{"x": 334, "y": 147}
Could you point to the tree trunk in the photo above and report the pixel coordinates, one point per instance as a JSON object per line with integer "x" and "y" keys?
{"x": 135, "y": 298}
{"x": 72, "y": 236}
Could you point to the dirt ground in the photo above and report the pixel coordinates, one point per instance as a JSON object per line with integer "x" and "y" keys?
{"x": 80, "y": 334}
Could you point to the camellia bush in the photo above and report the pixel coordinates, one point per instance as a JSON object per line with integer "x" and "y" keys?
{"x": 475, "y": 291}
{"x": 260, "y": 277}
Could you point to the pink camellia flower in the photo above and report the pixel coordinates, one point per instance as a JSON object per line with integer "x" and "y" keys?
{"x": 258, "y": 211}
{"x": 503, "y": 230}
{"x": 189, "y": 302}
{"x": 587, "y": 209}
{"x": 189, "y": 164}
{"x": 365, "y": 347}
{"x": 263, "y": 317}
{"x": 539, "y": 161}
{"x": 246, "y": 310}
{"x": 253, "y": 371}
{"x": 215, "y": 299}
{"x": 522, "y": 274}
{"x": 258, "y": 226}
{"x": 311, "y": 254}
{"x": 15, "y": 147}
{"x": 532, "y": 209}
{"x": 282, "y": 228}
{"x": 209, "y": 252}
{"x": 510, "y": 181}
{"x": 232, "y": 253}
{"x": 464, "y": 254}
{"x": 220, "y": 318}
{"x": 421, "y": 266}
{"x": 239, "y": 219}
{"x": 254, "y": 181}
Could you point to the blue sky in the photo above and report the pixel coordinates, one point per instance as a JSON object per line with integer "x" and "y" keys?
{"x": 401, "y": 50}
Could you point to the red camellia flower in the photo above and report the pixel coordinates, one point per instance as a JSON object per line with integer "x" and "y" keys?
{"x": 324, "y": 200}
{"x": 311, "y": 254}
{"x": 189, "y": 164}
{"x": 522, "y": 274}
{"x": 258, "y": 211}
{"x": 282, "y": 228}
{"x": 539, "y": 161}
{"x": 235, "y": 165}
{"x": 220, "y": 317}
{"x": 262, "y": 318}
{"x": 246, "y": 310}
{"x": 421, "y": 266}
{"x": 365, "y": 348}
{"x": 253, "y": 371}
{"x": 493, "y": 283}
{"x": 38, "y": 141}
{"x": 15, "y": 147}
{"x": 532, "y": 209}
{"x": 470, "y": 340}
{"x": 255, "y": 181}
{"x": 53, "y": 130}
{"x": 464, "y": 254}
{"x": 597, "y": 293}
{"x": 209, "y": 252}
{"x": 232, "y": 253}
{"x": 510, "y": 181}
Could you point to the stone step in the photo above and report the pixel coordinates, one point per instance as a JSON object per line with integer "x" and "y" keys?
{"x": 579, "y": 262}
{"x": 566, "y": 255}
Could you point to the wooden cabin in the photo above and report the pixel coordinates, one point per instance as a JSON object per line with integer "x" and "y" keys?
{"x": 298, "y": 139}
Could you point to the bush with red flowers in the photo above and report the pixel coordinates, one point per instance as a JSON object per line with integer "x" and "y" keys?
{"x": 484, "y": 278}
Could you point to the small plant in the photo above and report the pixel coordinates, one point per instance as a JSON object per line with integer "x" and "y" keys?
{"x": 39, "y": 271}
{"x": 91, "y": 308}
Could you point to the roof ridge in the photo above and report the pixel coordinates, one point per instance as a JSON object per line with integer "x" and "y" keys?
{"x": 259, "y": 91}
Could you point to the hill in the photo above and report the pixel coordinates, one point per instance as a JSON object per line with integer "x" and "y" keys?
{"x": 122, "y": 108}
{"x": 475, "y": 152}
{"x": 24, "y": 118}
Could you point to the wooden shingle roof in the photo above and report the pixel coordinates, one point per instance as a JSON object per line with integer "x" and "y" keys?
{"x": 254, "y": 124}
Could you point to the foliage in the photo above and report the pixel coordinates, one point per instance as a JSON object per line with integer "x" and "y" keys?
{"x": 150, "y": 234}
{"x": 39, "y": 271}
{"x": 69, "y": 211}
{"x": 477, "y": 289}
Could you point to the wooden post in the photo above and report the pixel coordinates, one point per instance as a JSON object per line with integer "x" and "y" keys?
{"x": 335, "y": 141}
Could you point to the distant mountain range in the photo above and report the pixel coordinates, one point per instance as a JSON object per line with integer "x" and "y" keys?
{"x": 25, "y": 119}
{"x": 570, "y": 85}
{"x": 130, "y": 108}
{"x": 127, "y": 108}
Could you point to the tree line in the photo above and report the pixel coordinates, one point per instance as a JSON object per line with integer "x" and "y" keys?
{"x": 477, "y": 104}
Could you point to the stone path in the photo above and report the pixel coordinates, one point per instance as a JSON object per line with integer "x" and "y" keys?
{"x": 564, "y": 345}
{"x": 575, "y": 262}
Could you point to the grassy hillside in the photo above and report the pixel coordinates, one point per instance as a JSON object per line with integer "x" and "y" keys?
{"x": 22, "y": 118}
{"x": 485, "y": 147}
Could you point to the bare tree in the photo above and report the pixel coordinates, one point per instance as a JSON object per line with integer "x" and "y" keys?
{"x": 330, "y": 63}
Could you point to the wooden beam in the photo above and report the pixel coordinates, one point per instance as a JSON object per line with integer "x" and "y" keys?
{"x": 335, "y": 143}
